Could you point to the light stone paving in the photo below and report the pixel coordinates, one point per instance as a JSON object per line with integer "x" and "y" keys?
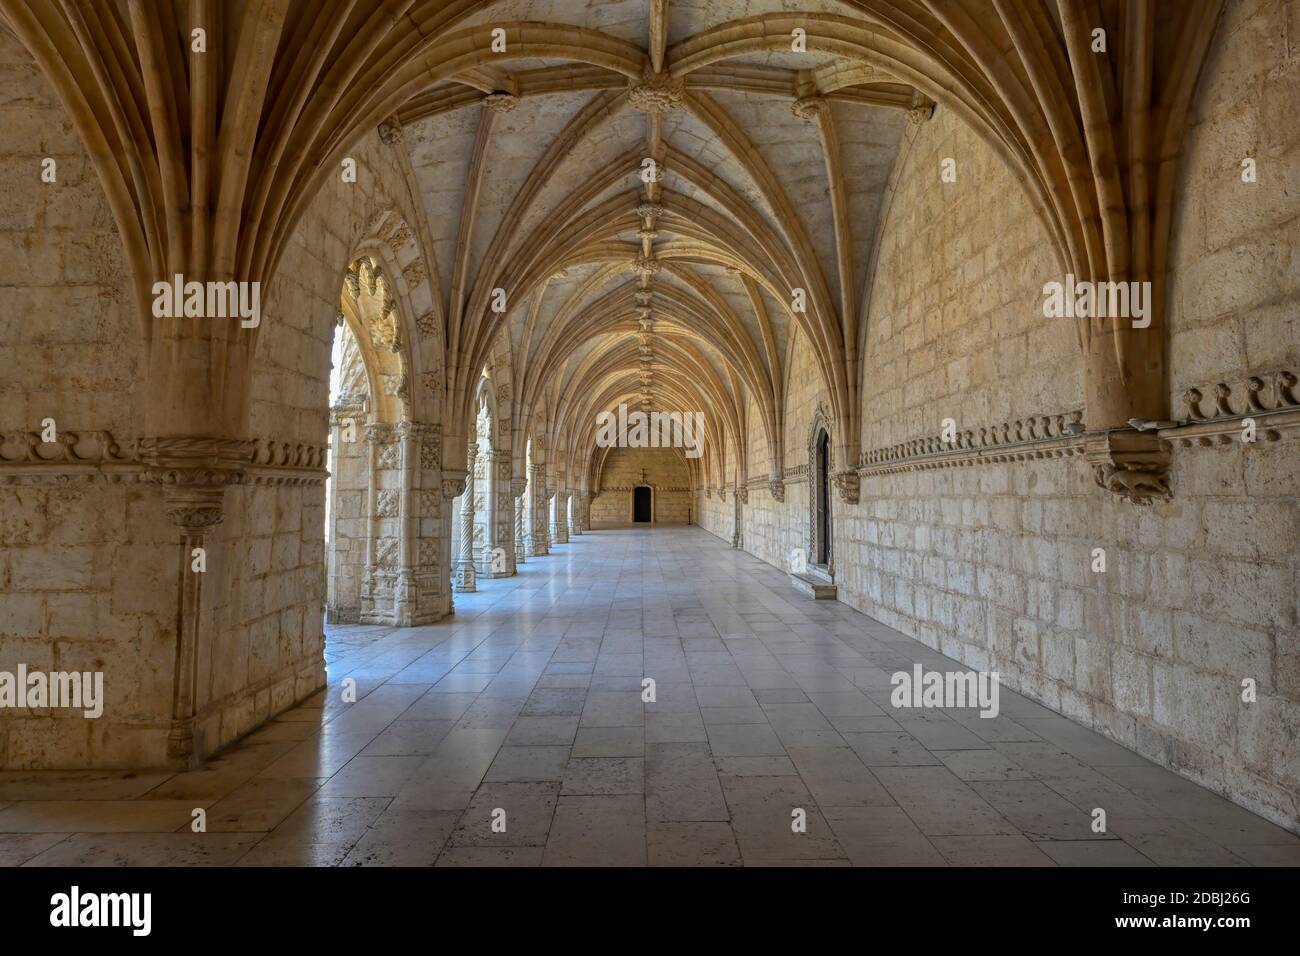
{"x": 528, "y": 701}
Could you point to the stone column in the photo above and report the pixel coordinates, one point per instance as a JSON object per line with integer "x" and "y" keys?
{"x": 466, "y": 573}
{"x": 537, "y": 522}
{"x": 561, "y": 523}
{"x": 575, "y": 522}
{"x": 740, "y": 496}
{"x": 517, "y": 489}
{"x": 194, "y": 473}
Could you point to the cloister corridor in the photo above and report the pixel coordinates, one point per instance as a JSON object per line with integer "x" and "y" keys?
{"x": 529, "y": 700}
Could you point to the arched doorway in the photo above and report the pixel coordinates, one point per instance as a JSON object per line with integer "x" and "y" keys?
{"x": 643, "y": 509}
{"x": 822, "y": 535}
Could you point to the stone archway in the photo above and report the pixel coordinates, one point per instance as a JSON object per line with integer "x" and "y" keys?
{"x": 820, "y": 552}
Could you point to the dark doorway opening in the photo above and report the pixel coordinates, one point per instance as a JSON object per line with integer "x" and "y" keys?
{"x": 823, "y": 556}
{"x": 642, "y": 509}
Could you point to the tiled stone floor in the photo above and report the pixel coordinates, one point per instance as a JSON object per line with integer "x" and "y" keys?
{"x": 528, "y": 700}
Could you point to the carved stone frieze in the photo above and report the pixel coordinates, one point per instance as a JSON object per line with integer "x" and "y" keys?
{"x": 1036, "y": 436}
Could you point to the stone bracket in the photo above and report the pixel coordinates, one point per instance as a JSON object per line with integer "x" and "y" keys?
{"x": 1129, "y": 463}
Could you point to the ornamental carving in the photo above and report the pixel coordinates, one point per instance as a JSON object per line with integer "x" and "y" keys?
{"x": 415, "y": 274}
{"x": 427, "y": 323}
{"x": 809, "y": 107}
{"x": 387, "y": 503}
{"x": 776, "y": 487}
{"x": 387, "y": 553}
{"x": 501, "y": 102}
{"x": 1036, "y": 436}
{"x": 919, "y": 114}
{"x": 1275, "y": 394}
{"x": 657, "y": 94}
{"x": 390, "y": 132}
{"x": 390, "y": 456}
{"x": 430, "y": 453}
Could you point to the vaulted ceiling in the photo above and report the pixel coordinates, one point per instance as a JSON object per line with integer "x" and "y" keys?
{"x": 530, "y": 123}
{"x": 649, "y": 230}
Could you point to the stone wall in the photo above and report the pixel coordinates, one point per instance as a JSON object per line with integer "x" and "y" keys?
{"x": 993, "y": 564}
{"x": 665, "y": 472}
{"x": 89, "y": 569}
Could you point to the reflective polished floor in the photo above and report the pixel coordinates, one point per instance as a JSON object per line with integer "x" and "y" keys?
{"x": 514, "y": 733}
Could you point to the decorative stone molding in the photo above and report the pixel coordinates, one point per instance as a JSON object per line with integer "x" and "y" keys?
{"x": 658, "y": 94}
{"x": 1269, "y": 400}
{"x": 809, "y": 107}
{"x": 286, "y": 463}
{"x": 1038, "y": 436}
{"x": 1131, "y": 464}
{"x": 500, "y": 102}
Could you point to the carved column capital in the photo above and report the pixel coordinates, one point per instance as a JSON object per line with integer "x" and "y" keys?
{"x": 518, "y": 486}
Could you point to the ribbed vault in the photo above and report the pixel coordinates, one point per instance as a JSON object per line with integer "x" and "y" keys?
{"x": 635, "y": 200}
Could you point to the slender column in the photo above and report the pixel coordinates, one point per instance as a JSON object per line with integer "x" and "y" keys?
{"x": 517, "y": 488}
{"x": 575, "y": 522}
{"x": 537, "y": 522}
{"x": 562, "y": 518}
{"x": 466, "y": 573}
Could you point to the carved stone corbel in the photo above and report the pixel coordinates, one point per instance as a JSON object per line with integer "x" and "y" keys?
{"x": 776, "y": 487}
{"x": 453, "y": 482}
{"x": 1131, "y": 464}
{"x": 848, "y": 484}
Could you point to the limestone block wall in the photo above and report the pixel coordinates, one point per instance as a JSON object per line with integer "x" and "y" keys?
{"x": 349, "y": 515}
{"x": 665, "y": 472}
{"x": 267, "y": 645}
{"x": 993, "y": 564}
{"x": 87, "y": 568}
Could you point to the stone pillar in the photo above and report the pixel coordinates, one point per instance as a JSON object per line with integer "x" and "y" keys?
{"x": 537, "y": 519}
{"x": 194, "y": 473}
{"x": 561, "y": 523}
{"x": 466, "y": 572}
{"x": 740, "y": 496}
{"x": 383, "y": 532}
{"x": 517, "y": 489}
